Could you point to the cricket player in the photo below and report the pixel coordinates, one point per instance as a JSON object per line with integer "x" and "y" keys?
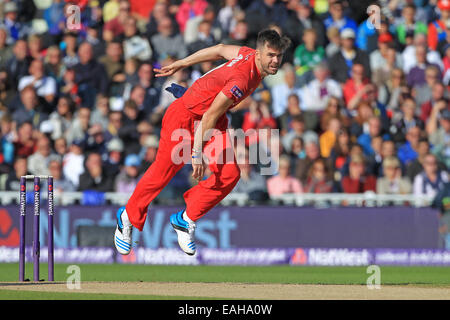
{"x": 199, "y": 110}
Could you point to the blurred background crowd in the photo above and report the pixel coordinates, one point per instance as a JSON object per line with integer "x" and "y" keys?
{"x": 361, "y": 101}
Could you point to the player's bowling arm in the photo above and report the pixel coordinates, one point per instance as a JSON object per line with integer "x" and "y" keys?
{"x": 219, "y": 106}
{"x": 214, "y": 53}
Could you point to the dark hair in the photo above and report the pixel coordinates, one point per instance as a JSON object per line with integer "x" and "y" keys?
{"x": 273, "y": 39}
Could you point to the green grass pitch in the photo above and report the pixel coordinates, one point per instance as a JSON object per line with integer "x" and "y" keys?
{"x": 390, "y": 275}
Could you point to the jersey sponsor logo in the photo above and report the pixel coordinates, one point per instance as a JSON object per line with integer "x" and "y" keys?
{"x": 237, "y": 92}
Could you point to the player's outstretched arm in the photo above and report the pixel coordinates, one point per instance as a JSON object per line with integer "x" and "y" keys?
{"x": 214, "y": 53}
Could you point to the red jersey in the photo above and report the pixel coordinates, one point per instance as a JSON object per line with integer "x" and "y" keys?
{"x": 237, "y": 79}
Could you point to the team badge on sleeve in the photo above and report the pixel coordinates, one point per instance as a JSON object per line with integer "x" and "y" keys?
{"x": 237, "y": 92}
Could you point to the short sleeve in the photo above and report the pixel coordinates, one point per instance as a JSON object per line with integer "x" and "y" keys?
{"x": 236, "y": 88}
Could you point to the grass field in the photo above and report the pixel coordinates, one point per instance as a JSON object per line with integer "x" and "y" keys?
{"x": 244, "y": 276}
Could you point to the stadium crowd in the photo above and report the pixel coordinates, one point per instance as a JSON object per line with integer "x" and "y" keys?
{"x": 361, "y": 102}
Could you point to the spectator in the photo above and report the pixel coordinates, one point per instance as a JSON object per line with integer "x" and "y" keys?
{"x": 69, "y": 44}
{"x": 60, "y": 147}
{"x": 90, "y": 76}
{"x": 20, "y": 169}
{"x": 24, "y": 143}
{"x": 431, "y": 180}
{"x": 160, "y": 11}
{"x": 283, "y": 182}
{"x": 292, "y": 110}
{"x": 29, "y": 110}
{"x": 115, "y": 27}
{"x": 95, "y": 178}
{"x": 112, "y": 62}
{"x": 114, "y": 160}
{"x": 18, "y": 66}
{"x": 239, "y": 35}
{"x": 438, "y": 92}
{"x": 334, "y": 42}
{"x": 6, "y": 52}
{"x": 384, "y": 59}
{"x": 317, "y": 93}
{"x": 204, "y": 28}
{"x": 260, "y": 13}
{"x": 382, "y": 150}
{"x": 409, "y": 54}
{"x": 436, "y": 28}
{"x": 307, "y": 56}
{"x": 318, "y": 180}
{"x": 355, "y": 87}
{"x": 54, "y": 66}
{"x": 258, "y": 116}
{"x": 357, "y": 181}
{"x": 135, "y": 45}
{"x": 168, "y": 43}
{"x": 281, "y": 91}
{"x": 149, "y": 143}
{"x": 416, "y": 75}
{"x": 336, "y": 17}
{"x": 405, "y": 120}
{"x": 227, "y": 14}
{"x": 251, "y": 183}
{"x": 423, "y": 92}
{"x": 297, "y": 129}
{"x": 392, "y": 181}
{"x": 128, "y": 177}
{"x": 407, "y": 152}
{"x": 390, "y": 90}
{"x": 45, "y": 86}
{"x": 16, "y": 29}
{"x": 341, "y": 63}
{"x": 341, "y": 150}
{"x": 79, "y": 126}
{"x": 73, "y": 162}
{"x": 187, "y": 9}
{"x": 327, "y": 139}
{"x": 7, "y": 140}
{"x": 365, "y": 139}
{"x": 301, "y": 18}
{"x": 101, "y": 111}
{"x": 409, "y": 23}
{"x": 439, "y": 136}
{"x": 302, "y": 166}
{"x": 38, "y": 161}
{"x": 60, "y": 183}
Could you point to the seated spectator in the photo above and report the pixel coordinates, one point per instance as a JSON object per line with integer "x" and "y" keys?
{"x": 54, "y": 66}
{"x": 281, "y": 92}
{"x": 355, "y": 87}
{"x": 90, "y": 76}
{"x": 258, "y": 116}
{"x": 423, "y": 92}
{"x": 292, "y": 110}
{"x": 385, "y": 149}
{"x": 30, "y": 109}
{"x": 73, "y": 162}
{"x": 283, "y": 182}
{"x": 60, "y": 147}
{"x": 407, "y": 152}
{"x": 227, "y": 15}
{"x": 251, "y": 182}
{"x": 205, "y": 36}
{"x": 168, "y": 43}
{"x": 318, "y": 180}
{"x": 333, "y": 110}
{"x": 439, "y": 135}
{"x": 389, "y": 91}
{"x": 317, "y": 92}
{"x": 405, "y": 120}
{"x": 100, "y": 112}
{"x": 189, "y": 9}
{"x": 20, "y": 169}
{"x": 114, "y": 159}
{"x": 128, "y": 177}
{"x": 307, "y": 56}
{"x": 61, "y": 118}
{"x": 60, "y": 183}
{"x": 115, "y": 27}
{"x": 392, "y": 181}
{"x": 341, "y": 62}
{"x": 409, "y": 23}
{"x": 95, "y": 178}
{"x": 297, "y": 129}
{"x": 149, "y": 143}
{"x": 70, "y": 56}
{"x": 357, "y": 180}
{"x": 337, "y": 18}
{"x": 416, "y": 74}
{"x": 24, "y": 142}
{"x": 79, "y": 126}
{"x": 18, "y": 65}
{"x": 45, "y": 86}
{"x": 135, "y": 45}
{"x": 341, "y": 150}
{"x": 327, "y": 139}
{"x": 260, "y": 13}
{"x": 334, "y": 42}
{"x": 302, "y": 165}
{"x": 38, "y": 161}
{"x": 7, "y": 140}
{"x": 431, "y": 180}
{"x": 374, "y": 130}
{"x": 438, "y": 92}
{"x": 112, "y": 61}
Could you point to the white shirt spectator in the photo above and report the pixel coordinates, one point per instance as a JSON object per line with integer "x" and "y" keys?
{"x": 410, "y": 61}
{"x": 316, "y": 94}
{"x": 73, "y": 167}
{"x": 44, "y": 87}
{"x": 422, "y": 187}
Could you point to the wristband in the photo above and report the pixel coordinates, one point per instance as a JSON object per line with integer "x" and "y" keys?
{"x": 196, "y": 151}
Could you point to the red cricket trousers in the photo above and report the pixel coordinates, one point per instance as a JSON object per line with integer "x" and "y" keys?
{"x": 174, "y": 151}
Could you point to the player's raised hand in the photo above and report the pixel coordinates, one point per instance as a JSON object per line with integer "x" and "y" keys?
{"x": 169, "y": 69}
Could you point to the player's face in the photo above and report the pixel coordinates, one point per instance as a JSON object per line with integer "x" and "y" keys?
{"x": 270, "y": 59}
